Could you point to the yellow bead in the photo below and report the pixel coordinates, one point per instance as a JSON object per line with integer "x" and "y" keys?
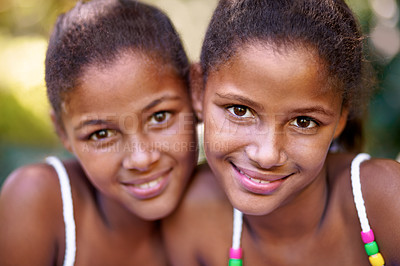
{"x": 376, "y": 260}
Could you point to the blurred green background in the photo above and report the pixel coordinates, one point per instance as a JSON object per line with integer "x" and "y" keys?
{"x": 26, "y": 134}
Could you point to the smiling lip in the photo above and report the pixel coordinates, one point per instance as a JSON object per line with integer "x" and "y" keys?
{"x": 148, "y": 187}
{"x": 258, "y": 183}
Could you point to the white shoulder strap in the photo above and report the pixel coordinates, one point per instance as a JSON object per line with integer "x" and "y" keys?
{"x": 357, "y": 194}
{"x": 68, "y": 210}
{"x": 237, "y": 228}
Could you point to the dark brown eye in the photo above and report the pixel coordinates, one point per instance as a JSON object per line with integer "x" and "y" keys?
{"x": 240, "y": 111}
{"x": 102, "y": 134}
{"x": 160, "y": 117}
{"x": 304, "y": 122}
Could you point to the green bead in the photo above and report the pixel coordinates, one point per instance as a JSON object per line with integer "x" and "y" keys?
{"x": 235, "y": 262}
{"x": 371, "y": 248}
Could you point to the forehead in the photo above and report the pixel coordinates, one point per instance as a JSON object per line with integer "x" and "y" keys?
{"x": 274, "y": 77}
{"x": 275, "y": 63}
{"x": 131, "y": 64}
{"x": 129, "y": 79}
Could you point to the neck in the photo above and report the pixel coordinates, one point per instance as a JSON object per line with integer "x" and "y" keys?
{"x": 119, "y": 219}
{"x": 302, "y": 216}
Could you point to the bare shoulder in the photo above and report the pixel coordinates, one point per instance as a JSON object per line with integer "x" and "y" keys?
{"x": 31, "y": 214}
{"x": 380, "y": 182}
{"x": 29, "y": 210}
{"x": 382, "y": 169}
{"x": 204, "y": 214}
{"x": 40, "y": 183}
{"x": 29, "y": 185}
{"x": 380, "y": 186}
{"x": 381, "y": 173}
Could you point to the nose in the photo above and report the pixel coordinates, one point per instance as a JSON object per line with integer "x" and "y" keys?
{"x": 140, "y": 155}
{"x": 266, "y": 148}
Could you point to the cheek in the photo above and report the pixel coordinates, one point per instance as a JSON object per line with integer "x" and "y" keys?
{"x": 181, "y": 151}
{"x": 92, "y": 158}
{"x": 308, "y": 152}
{"x": 180, "y": 141}
{"x": 216, "y": 141}
{"x": 220, "y": 134}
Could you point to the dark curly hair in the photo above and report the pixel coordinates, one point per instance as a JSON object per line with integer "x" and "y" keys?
{"x": 326, "y": 26}
{"x": 96, "y": 32}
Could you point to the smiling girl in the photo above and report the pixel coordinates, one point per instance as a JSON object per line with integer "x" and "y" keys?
{"x": 284, "y": 85}
{"x": 117, "y": 79}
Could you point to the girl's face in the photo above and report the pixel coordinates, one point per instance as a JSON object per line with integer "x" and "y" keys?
{"x": 131, "y": 126}
{"x": 269, "y": 119}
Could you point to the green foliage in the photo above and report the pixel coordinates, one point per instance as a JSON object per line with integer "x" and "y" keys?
{"x": 19, "y": 126}
{"x": 27, "y": 17}
{"x": 24, "y": 138}
{"x": 383, "y": 127}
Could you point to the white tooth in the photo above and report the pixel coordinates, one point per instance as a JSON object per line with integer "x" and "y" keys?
{"x": 144, "y": 186}
{"x": 254, "y": 179}
{"x": 149, "y": 184}
{"x": 259, "y": 180}
{"x": 153, "y": 183}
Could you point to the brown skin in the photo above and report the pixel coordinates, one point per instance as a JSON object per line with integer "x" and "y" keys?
{"x": 308, "y": 216}
{"x": 115, "y": 219}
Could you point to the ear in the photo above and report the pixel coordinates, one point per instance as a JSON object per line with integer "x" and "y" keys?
{"x": 197, "y": 90}
{"x": 342, "y": 122}
{"x": 60, "y": 131}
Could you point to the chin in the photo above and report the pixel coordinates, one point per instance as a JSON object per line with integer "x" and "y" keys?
{"x": 158, "y": 210}
{"x": 256, "y": 205}
{"x": 153, "y": 216}
{"x": 253, "y": 211}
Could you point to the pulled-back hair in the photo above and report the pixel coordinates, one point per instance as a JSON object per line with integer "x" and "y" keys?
{"x": 96, "y": 32}
{"x": 327, "y": 27}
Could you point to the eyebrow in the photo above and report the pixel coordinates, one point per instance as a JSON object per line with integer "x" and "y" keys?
{"x": 92, "y": 122}
{"x": 316, "y": 109}
{"x": 241, "y": 99}
{"x": 159, "y": 100}
{"x": 251, "y": 103}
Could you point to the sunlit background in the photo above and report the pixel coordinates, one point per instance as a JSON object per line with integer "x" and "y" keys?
{"x": 26, "y": 134}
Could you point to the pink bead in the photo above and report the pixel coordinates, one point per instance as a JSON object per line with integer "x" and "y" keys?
{"x": 235, "y": 253}
{"x": 367, "y": 237}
